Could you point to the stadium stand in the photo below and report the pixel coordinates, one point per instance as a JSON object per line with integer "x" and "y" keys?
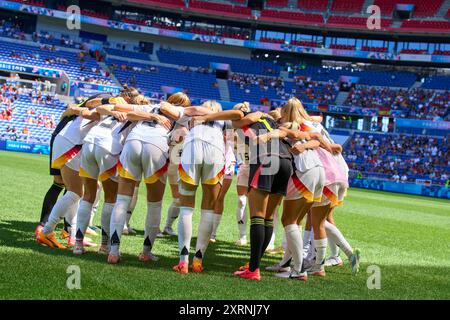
{"x": 210, "y": 7}
{"x": 426, "y": 24}
{"x": 368, "y": 77}
{"x": 399, "y": 157}
{"x": 204, "y": 60}
{"x": 313, "y": 5}
{"x": 437, "y": 82}
{"x": 77, "y": 66}
{"x": 27, "y": 114}
{"x": 414, "y": 103}
{"x": 422, "y": 8}
{"x": 291, "y": 16}
{"x": 277, "y": 3}
{"x": 354, "y": 22}
{"x": 347, "y": 6}
{"x": 150, "y": 79}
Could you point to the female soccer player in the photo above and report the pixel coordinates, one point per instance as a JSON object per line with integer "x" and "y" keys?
{"x": 58, "y": 185}
{"x": 336, "y": 184}
{"x": 230, "y": 165}
{"x": 66, "y": 158}
{"x": 270, "y": 169}
{"x": 305, "y": 185}
{"x": 175, "y": 149}
{"x": 145, "y": 153}
{"x": 202, "y": 161}
{"x": 99, "y": 157}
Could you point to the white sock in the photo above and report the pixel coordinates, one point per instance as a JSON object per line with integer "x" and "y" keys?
{"x": 216, "y": 223}
{"x": 241, "y": 217}
{"x": 152, "y": 225}
{"x": 71, "y": 218}
{"x": 306, "y": 240}
{"x": 321, "y": 250}
{"x": 334, "y": 249}
{"x": 338, "y": 239}
{"x": 286, "y": 260}
{"x": 83, "y": 216}
{"x": 205, "y": 228}
{"x": 173, "y": 213}
{"x": 106, "y": 222}
{"x": 185, "y": 232}
{"x": 68, "y": 202}
{"x": 95, "y": 205}
{"x": 295, "y": 244}
{"x": 312, "y": 248}
{"x": 118, "y": 219}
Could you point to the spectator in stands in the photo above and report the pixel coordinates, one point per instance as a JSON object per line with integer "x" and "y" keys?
{"x": 401, "y": 157}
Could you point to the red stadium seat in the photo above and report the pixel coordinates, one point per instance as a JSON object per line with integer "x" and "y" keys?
{"x": 162, "y": 3}
{"x": 427, "y": 24}
{"x": 374, "y": 49}
{"x": 441, "y": 53}
{"x": 289, "y": 16}
{"x": 313, "y": 5}
{"x": 347, "y": 5}
{"x": 356, "y": 22}
{"x": 210, "y": 7}
{"x": 304, "y": 43}
{"x": 277, "y": 3}
{"x": 422, "y": 8}
{"x": 413, "y": 51}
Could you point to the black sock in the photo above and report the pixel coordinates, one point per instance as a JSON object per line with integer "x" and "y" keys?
{"x": 67, "y": 226}
{"x": 256, "y": 241}
{"x": 268, "y": 231}
{"x": 49, "y": 201}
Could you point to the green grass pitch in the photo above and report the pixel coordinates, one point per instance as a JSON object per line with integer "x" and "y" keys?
{"x": 407, "y": 237}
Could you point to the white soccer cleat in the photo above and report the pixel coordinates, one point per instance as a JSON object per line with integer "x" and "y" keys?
{"x": 308, "y": 264}
{"x": 78, "y": 249}
{"x": 168, "y": 231}
{"x": 334, "y": 262}
{"x": 354, "y": 261}
{"x": 128, "y": 230}
{"x": 278, "y": 268}
{"x": 293, "y": 274}
{"x": 241, "y": 242}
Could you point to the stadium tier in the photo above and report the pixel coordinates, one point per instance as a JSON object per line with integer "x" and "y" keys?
{"x": 422, "y": 8}
{"x": 313, "y": 5}
{"x": 399, "y": 157}
{"x": 204, "y": 60}
{"x": 413, "y": 103}
{"x": 162, "y": 149}
{"x": 77, "y": 65}
{"x": 194, "y": 83}
{"x": 28, "y": 115}
{"x": 372, "y": 77}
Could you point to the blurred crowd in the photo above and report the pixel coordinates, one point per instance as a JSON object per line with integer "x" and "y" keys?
{"x": 400, "y": 157}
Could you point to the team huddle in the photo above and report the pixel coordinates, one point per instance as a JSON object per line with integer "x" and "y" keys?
{"x": 112, "y": 143}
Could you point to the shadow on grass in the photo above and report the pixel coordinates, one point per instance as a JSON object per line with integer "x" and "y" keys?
{"x": 222, "y": 256}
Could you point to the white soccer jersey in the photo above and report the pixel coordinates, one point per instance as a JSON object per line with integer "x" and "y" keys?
{"x": 109, "y": 134}
{"x": 306, "y": 160}
{"x": 210, "y": 132}
{"x": 242, "y": 151}
{"x": 148, "y": 130}
{"x": 77, "y": 130}
{"x": 339, "y": 158}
